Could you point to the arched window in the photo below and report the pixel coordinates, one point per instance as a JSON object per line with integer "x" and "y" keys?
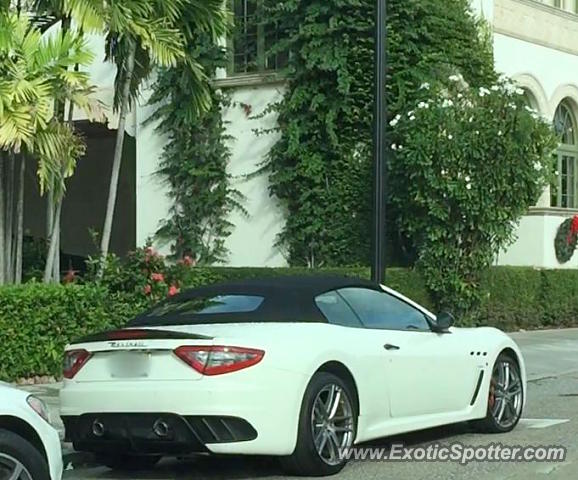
{"x": 565, "y": 193}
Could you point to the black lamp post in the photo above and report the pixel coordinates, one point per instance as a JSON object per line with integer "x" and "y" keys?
{"x": 379, "y": 146}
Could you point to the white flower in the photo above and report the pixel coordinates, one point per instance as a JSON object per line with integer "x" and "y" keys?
{"x": 450, "y": 137}
{"x": 455, "y": 78}
{"x": 477, "y": 132}
{"x": 500, "y": 133}
{"x": 468, "y": 178}
{"x": 394, "y": 147}
{"x": 460, "y": 95}
{"x": 471, "y": 119}
{"x": 469, "y": 186}
{"x": 401, "y": 147}
{"x": 443, "y": 172}
{"x": 538, "y": 166}
{"x": 483, "y": 92}
{"x": 519, "y": 91}
{"x": 424, "y": 86}
{"x": 447, "y": 103}
{"x": 395, "y": 121}
{"x": 495, "y": 88}
{"x": 410, "y": 113}
{"x": 513, "y": 106}
{"x": 510, "y": 88}
{"x": 423, "y": 105}
{"x": 412, "y": 118}
{"x": 556, "y": 172}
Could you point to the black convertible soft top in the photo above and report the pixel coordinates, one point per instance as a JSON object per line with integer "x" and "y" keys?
{"x": 285, "y": 299}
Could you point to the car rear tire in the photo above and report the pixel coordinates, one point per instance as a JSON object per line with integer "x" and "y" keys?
{"x": 505, "y": 397}
{"x": 327, "y": 424}
{"x": 128, "y": 463}
{"x": 19, "y": 459}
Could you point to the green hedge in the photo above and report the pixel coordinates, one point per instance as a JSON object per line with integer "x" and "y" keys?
{"x": 36, "y": 321}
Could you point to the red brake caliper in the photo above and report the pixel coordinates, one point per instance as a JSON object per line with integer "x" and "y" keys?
{"x": 492, "y": 399}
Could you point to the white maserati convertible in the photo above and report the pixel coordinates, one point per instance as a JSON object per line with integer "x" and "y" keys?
{"x": 298, "y": 367}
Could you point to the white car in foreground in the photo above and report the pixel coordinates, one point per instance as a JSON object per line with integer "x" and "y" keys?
{"x": 298, "y": 367}
{"x": 29, "y": 446}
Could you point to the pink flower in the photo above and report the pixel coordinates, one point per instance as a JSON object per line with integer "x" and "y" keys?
{"x": 173, "y": 290}
{"x": 189, "y": 261}
{"x": 148, "y": 289}
{"x": 157, "y": 277}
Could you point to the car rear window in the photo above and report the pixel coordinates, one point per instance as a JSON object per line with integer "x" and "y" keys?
{"x": 209, "y": 305}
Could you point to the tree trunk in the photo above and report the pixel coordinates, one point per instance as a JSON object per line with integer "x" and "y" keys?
{"x": 9, "y": 219}
{"x": 20, "y": 222}
{"x": 56, "y": 259}
{"x": 49, "y": 268}
{"x": 52, "y": 217}
{"x": 124, "y": 109}
{"x": 2, "y": 221}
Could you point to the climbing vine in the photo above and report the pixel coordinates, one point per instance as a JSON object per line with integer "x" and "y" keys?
{"x": 194, "y": 161}
{"x": 473, "y": 160}
{"x": 320, "y": 169}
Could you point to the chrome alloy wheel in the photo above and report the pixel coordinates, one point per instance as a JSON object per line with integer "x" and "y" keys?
{"x": 332, "y": 423}
{"x": 12, "y": 469}
{"x": 506, "y": 395}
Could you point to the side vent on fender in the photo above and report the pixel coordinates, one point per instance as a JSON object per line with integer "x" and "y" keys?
{"x": 477, "y": 390}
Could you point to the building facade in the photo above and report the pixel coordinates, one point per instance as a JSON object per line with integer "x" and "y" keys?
{"x": 535, "y": 43}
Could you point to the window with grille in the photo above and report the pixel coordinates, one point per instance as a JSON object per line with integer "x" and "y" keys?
{"x": 564, "y": 192}
{"x": 252, "y": 41}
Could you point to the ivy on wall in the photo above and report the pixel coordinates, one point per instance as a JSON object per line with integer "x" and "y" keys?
{"x": 320, "y": 170}
{"x": 473, "y": 160}
{"x": 194, "y": 161}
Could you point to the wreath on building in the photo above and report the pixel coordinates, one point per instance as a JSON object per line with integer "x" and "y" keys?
{"x": 566, "y": 239}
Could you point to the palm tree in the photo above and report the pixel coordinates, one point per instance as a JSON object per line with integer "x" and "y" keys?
{"x": 143, "y": 35}
{"x": 34, "y": 71}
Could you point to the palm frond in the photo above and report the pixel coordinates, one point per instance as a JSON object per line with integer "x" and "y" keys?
{"x": 90, "y": 15}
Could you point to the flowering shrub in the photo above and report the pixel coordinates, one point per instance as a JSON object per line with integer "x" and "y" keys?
{"x": 145, "y": 272}
{"x": 466, "y": 164}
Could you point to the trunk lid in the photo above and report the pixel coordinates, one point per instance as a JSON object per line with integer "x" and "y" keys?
{"x": 137, "y": 355}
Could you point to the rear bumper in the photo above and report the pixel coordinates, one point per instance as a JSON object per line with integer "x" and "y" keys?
{"x": 266, "y": 402}
{"x": 154, "y": 433}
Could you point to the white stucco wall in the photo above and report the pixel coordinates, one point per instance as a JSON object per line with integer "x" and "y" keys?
{"x": 535, "y": 244}
{"x": 253, "y": 237}
{"x": 252, "y": 241}
{"x": 152, "y": 203}
{"x": 551, "y": 75}
{"x": 555, "y": 72}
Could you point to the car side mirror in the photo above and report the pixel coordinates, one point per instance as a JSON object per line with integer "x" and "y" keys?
{"x": 444, "y": 321}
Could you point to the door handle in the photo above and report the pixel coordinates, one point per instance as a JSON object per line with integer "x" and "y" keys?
{"x": 389, "y": 346}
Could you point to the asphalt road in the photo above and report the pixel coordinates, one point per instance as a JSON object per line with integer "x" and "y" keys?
{"x": 552, "y": 360}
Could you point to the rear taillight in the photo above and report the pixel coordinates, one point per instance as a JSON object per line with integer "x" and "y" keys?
{"x": 74, "y": 360}
{"x": 216, "y": 360}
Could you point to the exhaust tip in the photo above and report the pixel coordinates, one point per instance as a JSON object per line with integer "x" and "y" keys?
{"x": 98, "y": 429}
{"x": 161, "y": 428}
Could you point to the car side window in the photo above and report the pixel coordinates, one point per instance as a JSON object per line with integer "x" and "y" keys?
{"x": 337, "y": 311}
{"x": 380, "y": 310}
